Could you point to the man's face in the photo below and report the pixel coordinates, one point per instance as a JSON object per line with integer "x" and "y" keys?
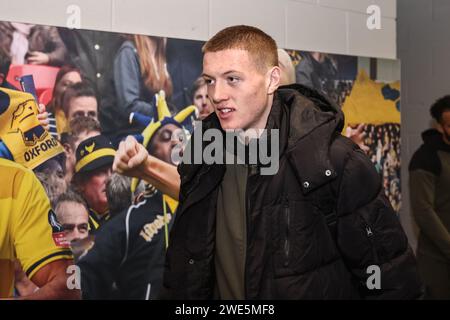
{"x": 161, "y": 144}
{"x": 74, "y": 219}
{"x": 82, "y": 106}
{"x": 201, "y": 101}
{"x": 445, "y": 126}
{"x": 238, "y": 90}
{"x": 94, "y": 189}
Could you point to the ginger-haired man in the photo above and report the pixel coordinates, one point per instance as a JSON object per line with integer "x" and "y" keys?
{"x": 309, "y": 231}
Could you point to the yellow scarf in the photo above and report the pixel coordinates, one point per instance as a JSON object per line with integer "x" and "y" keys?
{"x": 29, "y": 143}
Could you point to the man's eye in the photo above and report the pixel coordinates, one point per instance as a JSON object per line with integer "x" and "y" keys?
{"x": 68, "y": 227}
{"x": 233, "y": 79}
{"x": 209, "y": 82}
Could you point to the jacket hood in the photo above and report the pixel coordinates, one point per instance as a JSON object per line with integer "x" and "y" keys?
{"x": 433, "y": 138}
{"x": 308, "y": 123}
{"x": 307, "y": 110}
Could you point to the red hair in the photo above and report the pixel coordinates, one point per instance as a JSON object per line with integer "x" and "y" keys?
{"x": 259, "y": 45}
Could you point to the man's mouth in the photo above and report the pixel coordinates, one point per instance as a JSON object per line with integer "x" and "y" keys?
{"x": 177, "y": 149}
{"x": 225, "y": 111}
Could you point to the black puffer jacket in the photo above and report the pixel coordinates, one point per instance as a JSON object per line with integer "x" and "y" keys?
{"x": 321, "y": 174}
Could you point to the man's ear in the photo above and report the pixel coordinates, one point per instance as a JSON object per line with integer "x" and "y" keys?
{"x": 274, "y": 79}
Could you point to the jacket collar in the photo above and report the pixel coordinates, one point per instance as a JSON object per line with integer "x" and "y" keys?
{"x": 433, "y": 138}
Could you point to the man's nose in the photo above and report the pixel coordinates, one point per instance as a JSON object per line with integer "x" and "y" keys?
{"x": 218, "y": 93}
{"x": 176, "y": 141}
{"x": 73, "y": 235}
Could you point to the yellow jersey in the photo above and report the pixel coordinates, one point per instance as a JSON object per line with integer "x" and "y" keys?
{"x": 29, "y": 231}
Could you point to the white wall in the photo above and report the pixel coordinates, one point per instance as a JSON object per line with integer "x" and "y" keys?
{"x": 424, "y": 47}
{"x": 332, "y": 26}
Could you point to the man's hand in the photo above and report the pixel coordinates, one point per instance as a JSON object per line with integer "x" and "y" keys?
{"x": 36, "y": 57}
{"x": 133, "y": 160}
{"x": 130, "y": 158}
{"x": 357, "y": 135}
{"x": 43, "y": 117}
{"x": 22, "y": 284}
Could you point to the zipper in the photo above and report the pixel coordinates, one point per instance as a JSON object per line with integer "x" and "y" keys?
{"x": 252, "y": 170}
{"x": 182, "y": 207}
{"x": 370, "y": 236}
{"x": 287, "y": 217}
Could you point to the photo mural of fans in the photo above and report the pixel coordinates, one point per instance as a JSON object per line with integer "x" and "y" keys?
{"x": 331, "y": 75}
{"x": 86, "y": 86}
{"x": 377, "y": 105}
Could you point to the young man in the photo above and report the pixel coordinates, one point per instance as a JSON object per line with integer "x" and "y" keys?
{"x": 79, "y": 100}
{"x": 429, "y": 183}
{"x": 312, "y": 230}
